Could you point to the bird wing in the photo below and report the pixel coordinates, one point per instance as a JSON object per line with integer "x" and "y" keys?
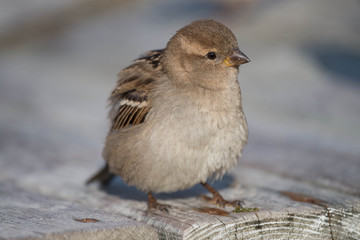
{"x": 129, "y": 102}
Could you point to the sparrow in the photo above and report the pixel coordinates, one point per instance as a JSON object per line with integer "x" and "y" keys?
{"x": 176, "y": 115}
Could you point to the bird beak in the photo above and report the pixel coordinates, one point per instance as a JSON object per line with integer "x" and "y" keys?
{"x": 236, "y": 58}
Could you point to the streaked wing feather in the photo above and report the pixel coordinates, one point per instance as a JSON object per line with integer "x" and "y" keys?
{"x": 129, "y": 100}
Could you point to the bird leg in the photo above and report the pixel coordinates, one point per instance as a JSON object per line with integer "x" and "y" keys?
{"x": 218, "y": 199}
{"x": 152, "y": 203}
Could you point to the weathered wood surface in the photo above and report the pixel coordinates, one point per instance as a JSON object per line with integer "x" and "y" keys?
{"x": 301, "y": 165}
{"x": 320, "y": 214}
{"x": 30, "y": 215}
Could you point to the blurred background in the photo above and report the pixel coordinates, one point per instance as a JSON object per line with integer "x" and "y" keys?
{"x": 301, "y": 91}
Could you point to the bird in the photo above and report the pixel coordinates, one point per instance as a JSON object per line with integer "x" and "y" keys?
{"x": 176, "y": 115}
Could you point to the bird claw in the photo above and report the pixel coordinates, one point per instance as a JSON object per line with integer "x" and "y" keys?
{"x": 218, "y": 200}
{"x": 236, "y": 203}
{"x": 153, "y": 204}
{"x": 161, "y": 207}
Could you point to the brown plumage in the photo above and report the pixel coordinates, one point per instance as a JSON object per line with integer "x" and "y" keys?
{"x": 176, "y": 114}
{"x": 129, "y": 101}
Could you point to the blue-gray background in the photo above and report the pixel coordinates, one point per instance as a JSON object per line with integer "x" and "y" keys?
{"x": 301, "y": 91}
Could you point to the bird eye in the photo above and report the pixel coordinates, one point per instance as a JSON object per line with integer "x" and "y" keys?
{"x": 211, "y": 55}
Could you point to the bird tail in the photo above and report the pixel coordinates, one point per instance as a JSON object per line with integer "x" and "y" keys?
{"x": 104, "y": 176}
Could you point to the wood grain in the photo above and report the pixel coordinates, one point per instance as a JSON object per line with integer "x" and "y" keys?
{"x": 26, "y": 215}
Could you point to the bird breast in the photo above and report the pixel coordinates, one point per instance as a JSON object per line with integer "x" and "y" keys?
{"x": 194, "y": 139}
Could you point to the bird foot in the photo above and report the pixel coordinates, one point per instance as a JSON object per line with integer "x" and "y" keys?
{"x": 217, "y": 199}
{"x": 154, "y": 204}
{"x": 162, "y": 207}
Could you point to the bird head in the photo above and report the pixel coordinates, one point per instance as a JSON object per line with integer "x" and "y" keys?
{"x": 204, "y": 53}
